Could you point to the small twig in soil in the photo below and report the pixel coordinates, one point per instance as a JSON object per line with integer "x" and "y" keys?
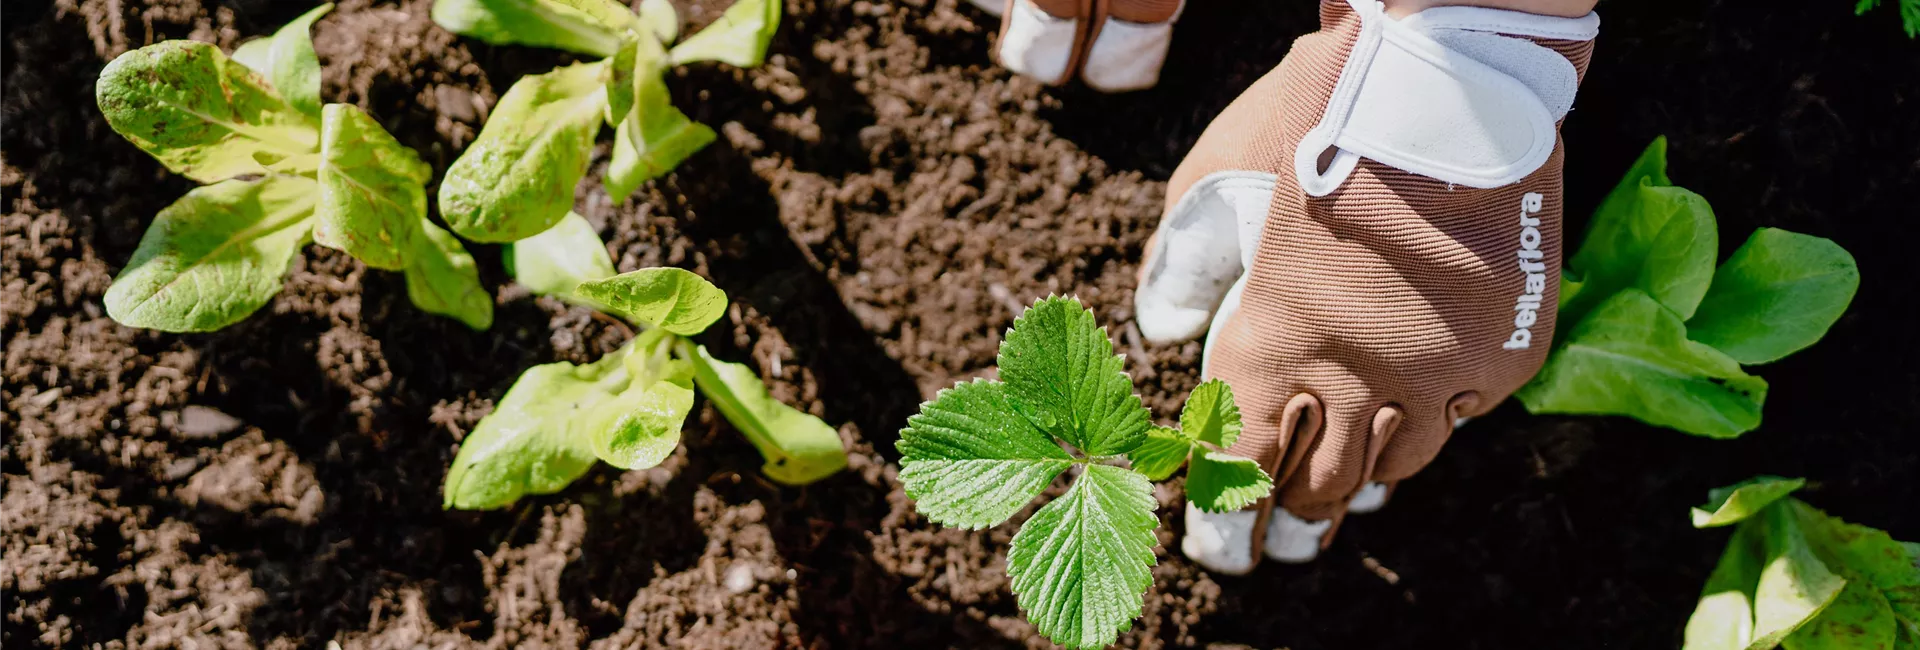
{"x": 1137, "y": 351}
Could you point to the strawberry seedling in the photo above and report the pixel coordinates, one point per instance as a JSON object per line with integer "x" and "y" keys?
{"x": 628, "y": 407}
{"x": 982, "y": 450}
{"x": 517, "y": 179}
{"x": 1797, "y": 577}
{"x": 282, "y": 169}
{"x": 1650, "y": 329}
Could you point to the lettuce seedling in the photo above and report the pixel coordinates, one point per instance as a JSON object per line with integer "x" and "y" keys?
{"x": 1650, "y": 329}
{"x": 982, "y": 450}
{"x": 518, "y": 177}
{"x": 1792, "y": 575}
{"x": 628, "y": 407}
{"x": 282, "y": 169}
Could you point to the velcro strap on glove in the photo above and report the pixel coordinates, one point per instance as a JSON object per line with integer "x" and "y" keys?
{"x": 1458, "y": 94}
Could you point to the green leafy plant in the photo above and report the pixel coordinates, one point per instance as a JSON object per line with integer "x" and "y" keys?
{"x": 1909, "y": 13}
{"x": 628, "y": 407}
{"x": 1794, "y": 576}
{"x": 982, "y": 450}
{"x": 282, "y": 169}
{"x": 518, "y": 177}
{"x": 1650, "y": 329}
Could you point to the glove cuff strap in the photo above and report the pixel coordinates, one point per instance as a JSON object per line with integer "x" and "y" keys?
{"x": 1458, "y": 94}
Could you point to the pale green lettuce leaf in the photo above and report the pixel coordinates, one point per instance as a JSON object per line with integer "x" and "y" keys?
{"x": 214, "y": 256}
{"x": 618, "y": 79}
{"x": 1221, "y": 482}
{"x": 1631, "y": 357}
{"x": 799, "y": 448}
{"x": 1794, "y": 586}
{"x": 968, "y": 460}
{"x": 202, "y": 115}
{"x": 640, "y": 427}
{"x": 1164, "y": 451}
{"x": 1858, "y": 619}
{"x": 1081, "y": 565}
{"x": 518, "y": 177}
{"x": 660, "y": 18}
{"x": 555, "y": 262}
{"x": 1061, "y": 371}
{"x": 442, "y": 278}
{"x": 1647, "y": 235}
{"x": 1776, "y": 295}
{"x": 584, "y": 26}
{"x": 1723, "y": 619}
{"x": 287, "y": 60}
{"x": 1735, "y": 503}
{"x": 534, "y": 441}
{"x": 654, "y": 137}
{"x": 739, "y": 37}
{"x": 676, "y": 300}
{"x": 1870, "y": 557}
{"x": 373, "y": 192}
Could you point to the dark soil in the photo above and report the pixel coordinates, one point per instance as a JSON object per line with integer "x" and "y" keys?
{"x": 881, "y": 202}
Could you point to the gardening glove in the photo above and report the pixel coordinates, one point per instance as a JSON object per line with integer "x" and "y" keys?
{"x": 1115, "y": 45}
{"x": 1370, "y": 239}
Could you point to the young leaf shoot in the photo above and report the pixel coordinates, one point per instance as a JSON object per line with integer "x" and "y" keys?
{"x": 518, "y": 178}
{"x": 1796, "y": 577}
{"x": 627, "y": 408}
{"x": 281, "y": 170}
{"x": 1650, "y": 329}
{"x": 982, "y": 450}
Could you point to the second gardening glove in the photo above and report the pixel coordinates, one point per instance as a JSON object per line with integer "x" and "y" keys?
{"x": 1370, "y": 240}
{"x": 1114, "y": 45}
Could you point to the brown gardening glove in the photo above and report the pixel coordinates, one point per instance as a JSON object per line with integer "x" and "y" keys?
{"x": 1114, "y": 45}
{"x": 1370, "y": 239}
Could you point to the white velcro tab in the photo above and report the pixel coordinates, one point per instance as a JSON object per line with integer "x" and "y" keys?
{"x": 1451, "y": 97}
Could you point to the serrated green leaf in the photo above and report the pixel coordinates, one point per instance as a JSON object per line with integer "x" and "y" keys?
{"x": 1210, "y": 416}
{"x": 584, "y": 26}
{"x": 1735, "y": 503}
{"x": 1631, "y": 357}
{"x": 1647, "y": 235}
{"x": 640, "y": 427}
{"x": 442, "y": 278}
{"x": 202, "y": 115}
{"x": 1164, "y": 451}
{"x": 533, "y": 442}
{"x": 287, "y": 60}
{"x": 1060, "y": 369}
{"x": 1723, "y": 619}
{"x": 214, "y": 256}
{"x": 1221, "y": 482}
{"x": 740, "y": 37}
{"x": 968, "y": 460}
{"x": 555, "y": 262}
{"x": 799, "y": 448}
{"x": 1081, "y": 565}
{"x": 1794, "y": 586}
{"x": 518, "y": 177}
{"x": 660, "y": 18}
{"x": 676, "y": 300}
{"x": 1776, "y": 295}
{"x": 373, "y": 192}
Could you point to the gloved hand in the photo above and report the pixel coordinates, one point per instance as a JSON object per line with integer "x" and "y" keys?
{"x": 1370, "y": 239}
{"x": 1115, "y": 45}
